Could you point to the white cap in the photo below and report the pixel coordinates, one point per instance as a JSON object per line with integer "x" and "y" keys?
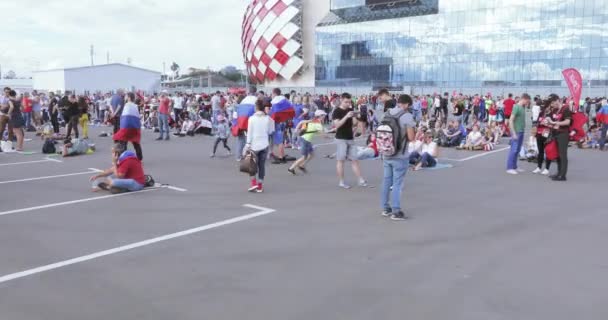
{"x": 320, "y": 113}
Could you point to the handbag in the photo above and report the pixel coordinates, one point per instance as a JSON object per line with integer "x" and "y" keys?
{"x": 6, "y": 146}
{"x": 551, "y": 151}
{"x": 249, "y": 163}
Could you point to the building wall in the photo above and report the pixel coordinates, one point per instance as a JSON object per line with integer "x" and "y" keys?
{"x": 472, "y": 43}
{"x": 49, "y": 80}
{"x": 19, "y": 85}
{"x": 110, "y": 78}
{"x": 313, "y": 12}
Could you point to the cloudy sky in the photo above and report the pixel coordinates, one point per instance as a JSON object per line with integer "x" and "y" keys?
{"x": 39, "y": 34}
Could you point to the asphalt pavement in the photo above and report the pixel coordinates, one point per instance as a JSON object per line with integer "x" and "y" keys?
{"x": 479, "y": 244}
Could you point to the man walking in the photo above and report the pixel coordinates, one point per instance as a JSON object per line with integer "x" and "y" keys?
{"x": 396, "y": 165}
{"x": 517, "y": 125}
{"x": 343, "y": 119}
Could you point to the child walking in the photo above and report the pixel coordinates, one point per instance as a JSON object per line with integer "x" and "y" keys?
{"x": 307, "y": 130}
{"x": 222, "y": 133}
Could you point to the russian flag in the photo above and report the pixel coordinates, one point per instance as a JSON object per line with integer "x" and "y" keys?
{"x": 130, "y": 125}
{"x": 243, "y": 111}
{"x": 281, "y": 110}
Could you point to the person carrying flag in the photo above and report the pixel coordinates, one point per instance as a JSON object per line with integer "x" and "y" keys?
{"x": 281, "y": 111}
{"x": 130, "y": 126}
{"x": 240, "y": 122}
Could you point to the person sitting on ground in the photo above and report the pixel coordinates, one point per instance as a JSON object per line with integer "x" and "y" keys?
{"x": 427, "y": 156}
{"x": 474, "y": 140}
{"x": 126, "y": 173}
{"x": 451, "y": 136}
{"x": 75, "y": 147}
{"x": 592, "y": 141}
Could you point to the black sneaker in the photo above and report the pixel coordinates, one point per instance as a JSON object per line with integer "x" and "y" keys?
{"x": 558, "y": 178}
{"x": 277, "y": 161}
{"x": 159, "y": 139}
{"x": 292, "y": 171}
{"x": 400, "y": 216}
{"x": 387, "y": 213}
{"x": 303, "y": 169}
{"x": 103, "y": 186}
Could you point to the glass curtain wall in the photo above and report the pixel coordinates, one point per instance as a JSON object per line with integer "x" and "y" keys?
{"x": 470, "y": 43}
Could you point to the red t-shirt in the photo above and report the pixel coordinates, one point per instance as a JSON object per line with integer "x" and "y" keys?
{"x": 493, "y": 111}
{"x": 163, "y": 108}
{"x": 27, "y": 104}
{"x": 131, "y": 168}
{"x": 508, "y": 104}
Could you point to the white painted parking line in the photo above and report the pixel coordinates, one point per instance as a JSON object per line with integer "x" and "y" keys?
{"x": 177, "y": 189}
{"x": 484, "y": 154}
{"x": 261, "y": 212}
{"x": 28, "y": 162}
{"x": 50, "y": 177}
{"x": 58, "y": 204}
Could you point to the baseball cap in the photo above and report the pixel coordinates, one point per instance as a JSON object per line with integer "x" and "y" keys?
{"x": 320, "y": 113}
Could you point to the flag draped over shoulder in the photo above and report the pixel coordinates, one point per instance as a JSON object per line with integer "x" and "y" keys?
{"x": 281, "y": 110}
{"x": 243, "y": 111}
{"x": 130, "y": 125}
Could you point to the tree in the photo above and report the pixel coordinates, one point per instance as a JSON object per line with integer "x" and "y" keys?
{"x": 10, "y": 75}
{"x": 175, "y": 69}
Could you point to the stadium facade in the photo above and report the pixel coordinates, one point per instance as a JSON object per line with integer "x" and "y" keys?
{"x": 446, "y": 44}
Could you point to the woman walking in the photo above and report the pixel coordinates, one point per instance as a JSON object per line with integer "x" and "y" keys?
{"x": 259, "y": 128}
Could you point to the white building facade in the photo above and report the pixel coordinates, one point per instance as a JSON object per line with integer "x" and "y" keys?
{"x": 101, "y": 78}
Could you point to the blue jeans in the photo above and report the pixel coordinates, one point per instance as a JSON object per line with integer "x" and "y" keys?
{"x": 240, "y": 142}
{"x": 28, "y": 119}
{"x": 261, "y": 155}
{"x": 126, "y": 184}
{"x": 603, "y": 136}
{"x": 163, "y": 124}
{"x": 426, "y": 159}
{"x": 515, "y": 149}
{"x": 394, "y": 175}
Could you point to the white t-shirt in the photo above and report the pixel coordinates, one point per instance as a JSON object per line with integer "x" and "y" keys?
{"x": 216, "y": 102}
{"x": 430, "y": 148}
{"x": 414, "y": 146}
{"x": 474, "y": 137}
{"x": 177, "y": 103}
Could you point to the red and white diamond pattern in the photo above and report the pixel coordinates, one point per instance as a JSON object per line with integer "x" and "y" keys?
{"x": 269, "y": 46}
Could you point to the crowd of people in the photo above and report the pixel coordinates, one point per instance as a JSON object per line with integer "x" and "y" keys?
{"x": 404, "y": 131}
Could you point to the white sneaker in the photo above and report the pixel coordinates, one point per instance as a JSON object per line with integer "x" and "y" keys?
{"x": 537, "y": 171}
{"x": 545, "y": 172}
{"x": 521, "y": 170}
{"x": 513, "y": 172}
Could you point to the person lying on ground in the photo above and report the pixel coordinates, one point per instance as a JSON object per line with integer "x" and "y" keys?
{"x": 75, "y": 147}
{"x": 126, "y": 173}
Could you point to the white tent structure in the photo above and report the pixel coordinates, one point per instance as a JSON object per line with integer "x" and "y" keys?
{"x": 100, "y": 78}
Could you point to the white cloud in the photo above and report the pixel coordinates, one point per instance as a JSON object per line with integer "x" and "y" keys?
{"x": 50, "y": 34}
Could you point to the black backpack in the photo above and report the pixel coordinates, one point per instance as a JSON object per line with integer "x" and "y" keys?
{"x": 48, "y": 147}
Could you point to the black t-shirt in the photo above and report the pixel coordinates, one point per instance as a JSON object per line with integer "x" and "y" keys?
{"x": 345, "y": 132}
{"x": 444, "y": 103}
{"x": 562, "y": 115}
{"x": 389, "y": 105}
{"x": 73, "y": 109}
{"x": 52, "y": 105}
